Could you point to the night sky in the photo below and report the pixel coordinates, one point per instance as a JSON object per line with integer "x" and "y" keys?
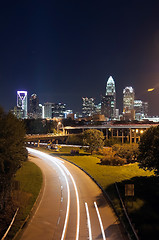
{"x": 65, "y": 50}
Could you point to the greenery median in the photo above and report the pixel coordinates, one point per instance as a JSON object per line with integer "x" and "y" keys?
{"x": 29, "y": 177}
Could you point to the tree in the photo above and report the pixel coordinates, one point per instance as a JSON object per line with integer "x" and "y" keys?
{"x": 12, "y": 153}
{"x": 37, "y": 126}
{"x": 12, "y": 148}
{"x": 94, "y": 139}
{"x": 149, "y": 150}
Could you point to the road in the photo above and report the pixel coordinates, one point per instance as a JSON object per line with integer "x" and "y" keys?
{"x": 72, "y": 207}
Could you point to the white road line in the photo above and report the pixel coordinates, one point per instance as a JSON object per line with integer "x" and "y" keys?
{"x": 67, "y": 184}
{"x": 63, "y": 169}
{"x": 68, "y": 205}
{"x": 58, "y": 220}
{"x": 88, "y": 221}
{"x": 100, "y": 221}
{"x": 77, "y": 200}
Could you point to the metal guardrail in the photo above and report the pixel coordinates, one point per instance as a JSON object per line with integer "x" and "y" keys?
{"x": 126, "y": 214}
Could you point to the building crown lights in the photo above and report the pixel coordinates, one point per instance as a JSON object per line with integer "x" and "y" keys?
{"x": 128, "y": 89}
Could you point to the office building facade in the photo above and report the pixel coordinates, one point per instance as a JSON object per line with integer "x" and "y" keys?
{"x": 128, "y": 99}
{"x": 54, "y": 110}
{"x": 128, "y": 103}
{"x": 141, "y": 109}
{"x": 107, "y": 107}
{"x": 34, "y": 110}
{"x": 88, "y": 106}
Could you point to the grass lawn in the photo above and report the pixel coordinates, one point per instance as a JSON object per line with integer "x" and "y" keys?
{"x": 30, "y": 179}
{"x": 105, "y": 175}
{"x": 143, "y": 207}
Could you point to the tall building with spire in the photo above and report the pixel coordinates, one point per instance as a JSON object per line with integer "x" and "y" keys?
{"x": 108, "y": 103}
{"x": 110, "y": 87}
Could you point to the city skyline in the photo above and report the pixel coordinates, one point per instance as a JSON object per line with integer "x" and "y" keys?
{"x": 65, "y": 51}
{"x": 106, "y": 106}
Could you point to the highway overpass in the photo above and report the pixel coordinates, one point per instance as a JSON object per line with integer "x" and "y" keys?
{"x": 125, "y": 132}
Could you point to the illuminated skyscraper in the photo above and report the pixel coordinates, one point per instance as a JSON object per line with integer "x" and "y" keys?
{"x": 128, "y": 98}
{"x": 22, "y": 102}
{"x": 108, "y": 104}
{"x": 87, "y": 106}
{"x": 34, "y": 111}
{"x": 58, "y": 110}
{"x": 110, "y": 87}
{"x": 128, "y": 103}
{"x": 54, "y": 110}
{"x": 141, "y": 109}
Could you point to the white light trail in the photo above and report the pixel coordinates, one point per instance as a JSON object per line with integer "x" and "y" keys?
{"x": 63, "y": 169}
{"x": 41, "y": 154}
{"x": 88, "y": 221}
{"x": 77, "y": 200}
{"x": 78, "y": 208}
{"x": 100, "y": 221}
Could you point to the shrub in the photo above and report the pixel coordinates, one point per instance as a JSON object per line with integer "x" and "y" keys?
{"x": 113, "y": 160}
{"x": 106, "y": 151}
{"x": 111, "y": 141}
{"x": 128, "y": 151}
{"x": 74, "y": 152}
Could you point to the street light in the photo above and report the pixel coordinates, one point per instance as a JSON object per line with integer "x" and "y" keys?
{"x": 58, "y": 126}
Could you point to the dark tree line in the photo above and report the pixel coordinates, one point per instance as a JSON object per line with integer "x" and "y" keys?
{"x": 12, "y": 154}
{"x": 39, "y": 126}
{"x": 149, "y": 150}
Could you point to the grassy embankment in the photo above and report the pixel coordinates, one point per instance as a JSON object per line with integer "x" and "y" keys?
{"x": 143, "y": 207}
{"x": 30, "y": 180}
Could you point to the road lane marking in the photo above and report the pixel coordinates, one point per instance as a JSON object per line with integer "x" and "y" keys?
{"x": 58, "y": 220}
{"x": 77, "y": 200}
{"x": 61, "y": 194}
{"x": 88, "y": 222}
{"x": 68, "y": 206}
{"x": 100, "y": 221}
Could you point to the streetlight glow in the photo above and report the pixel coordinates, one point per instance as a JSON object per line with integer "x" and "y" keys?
{"x": 150, "y": 89}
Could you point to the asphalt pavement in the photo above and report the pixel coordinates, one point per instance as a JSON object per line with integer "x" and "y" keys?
{"x": 71, "y": 206}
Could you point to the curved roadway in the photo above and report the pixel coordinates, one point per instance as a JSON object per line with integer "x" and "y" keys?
{"x": 72, "y": 206}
